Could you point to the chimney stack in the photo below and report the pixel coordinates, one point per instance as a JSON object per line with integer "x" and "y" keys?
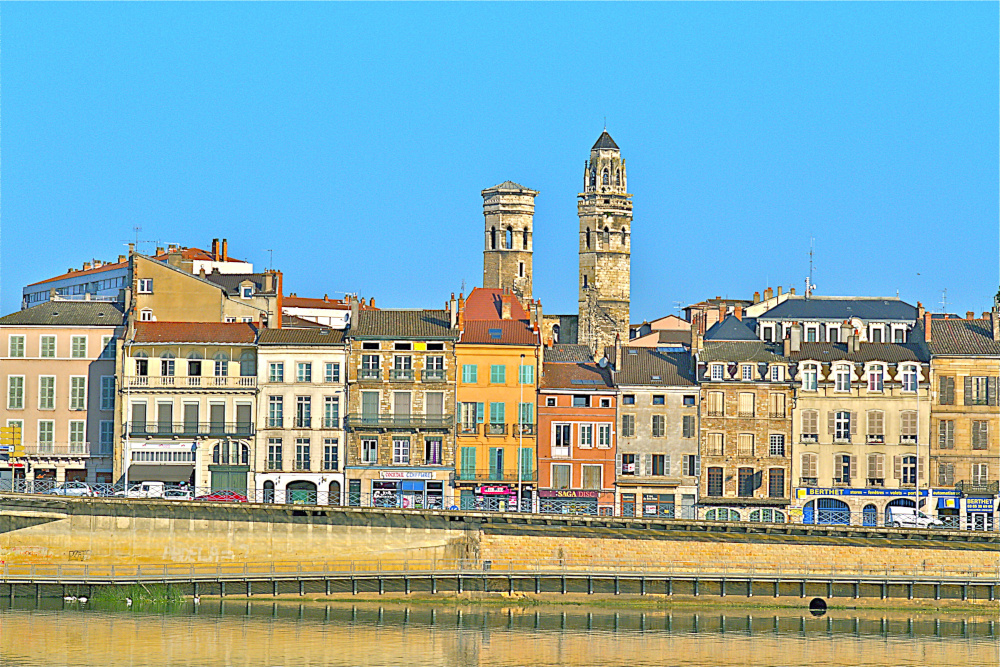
{"x": 159, "y": 251}
{"x": 504, "y": 309}
{"x": 795, "y": 338}
{"x": 854, "y": 341}
{"x": 215, "y": 249}
{"x": 722, "y": 312}
{"x": 970, "y": 315}
{"x": 739, "y": 312}
{"x": 353, "y": 302}
{"x": 618, "y": 360}
{"x": 461, "y": 311}
{"x": 927, "y": 327}
{"x": 792, "y": 291}
{"x": 225, "y": 250}
{"x": 122, "y": 258}
{"x": 845, "y": 330}
{"x": 268, "y": 282}
{"x": 995, "y": 321}
{"x": 452, "y": 312}
{"x": 371, "y": 302}
{"x": 920, "y": 311}
{"x": 86, "y": 266}
{"x": 768, "y": 293}
{"x": 779, "y": 290}
{"x": 756, "y": 297}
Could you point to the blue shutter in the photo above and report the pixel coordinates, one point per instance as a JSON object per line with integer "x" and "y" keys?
{"x": 527, "y": 375}
{"x": 468, "y": 463}
{"x": 494, "y": 463}
{"x": 527, "y": 463}
{"x": 480, "y": 412}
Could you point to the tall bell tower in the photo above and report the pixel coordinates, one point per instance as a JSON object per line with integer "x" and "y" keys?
{"x": 605, "y": 211}
{"x": 509, "y": 209}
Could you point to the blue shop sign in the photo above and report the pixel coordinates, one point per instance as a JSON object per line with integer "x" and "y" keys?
{"x": 978, "y": 504}
{"x": 841, "y": 491}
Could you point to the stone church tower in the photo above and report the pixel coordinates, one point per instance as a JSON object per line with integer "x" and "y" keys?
{"x": 605, "y": 211}
{"x": 509, "y": 209}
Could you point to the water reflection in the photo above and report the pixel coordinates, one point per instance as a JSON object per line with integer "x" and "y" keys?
{"x": 239, "y": 632}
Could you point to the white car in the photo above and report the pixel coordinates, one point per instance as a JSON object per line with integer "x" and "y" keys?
{"x": 72, "y": 489}
{"x": 910, "y": 517}
{"x": 143, "y": 490}
{"x": 178, "y": 494}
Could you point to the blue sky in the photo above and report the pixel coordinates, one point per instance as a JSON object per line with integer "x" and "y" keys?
{"x": 353, "y": 140}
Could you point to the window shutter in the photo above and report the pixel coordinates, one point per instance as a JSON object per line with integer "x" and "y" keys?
{"x": 920, "y": 468}
{"x": 854, "y": 423}
{"x": 968, "y": 390}
{"x": 666, "y": 464}
{"x": 647, "y": 464}
{"x": 618, "y": 463}
{"x": 480, "y": 412}
{"x": 830, "y": 422}
{"x": 872, "y": 466}
{"x": 880, "y": 466}
{"x": 951, "y": 390}
{"x": 697, "y": 465}
{"x": 897, "y": 467}
{"x": 854, "y": 467}
{"x": 991, "y": 391}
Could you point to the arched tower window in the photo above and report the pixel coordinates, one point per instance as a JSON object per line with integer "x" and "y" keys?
{"x": 624, "y": 236}
{"x": 607, "y": 237}
{"x": 618, "y": 178}
{"x": 605, "y": 178}
{"x": 588, "y": 238}
{"x": 524, "y": 239}
{"x": 493, "y": 238}
{"x": 585, "y": 281}
{"x": 510, "y": 238}
{"x": 593, "y": 177}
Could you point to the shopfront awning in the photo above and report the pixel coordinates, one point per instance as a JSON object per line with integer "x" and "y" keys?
{"x": 160, "y": 473}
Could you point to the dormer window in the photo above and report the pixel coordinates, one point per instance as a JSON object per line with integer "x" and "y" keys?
{"x": 810, "y": 377}
{"x": 146, "y": 315}
{"x": 910, "y": 378}
{"x": 811, "y": 334}
{"x": 717, "y": 371}
{"x": 842, "y": 378}
{"x": 246, "y": 291}
{"x": 746, "y": 371}
{"x": 777, "y": 373}
{"x": 876, "y": 334}
{"x": 876, "y": 374}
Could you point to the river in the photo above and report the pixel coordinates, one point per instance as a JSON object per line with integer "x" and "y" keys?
{"x": 265, "y": 633}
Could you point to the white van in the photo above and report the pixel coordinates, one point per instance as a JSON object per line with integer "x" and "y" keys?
{"x": 144, "y": 490}
{"x": 909, "y": 517}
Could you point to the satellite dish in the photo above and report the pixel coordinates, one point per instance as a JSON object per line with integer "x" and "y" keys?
{"x": 603, "y": 363}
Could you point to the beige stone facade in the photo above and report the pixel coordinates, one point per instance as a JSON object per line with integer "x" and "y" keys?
{"x": 509, "y": 211}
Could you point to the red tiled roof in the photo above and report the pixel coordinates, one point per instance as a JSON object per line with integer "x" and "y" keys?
{"x": 511, "y": 332}
{"x": 81, "y": 272}
{"x": 195, "y": 332}
{"x": 186, "y": 253}
{"x": 293, "y": 301}
{"x": 588, "y": 377}
{"x": 486, "y": 304}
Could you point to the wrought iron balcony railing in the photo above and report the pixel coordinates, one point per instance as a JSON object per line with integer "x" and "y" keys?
{"x": 370, "y": 374}
{"x": 193, "y": 429}
{"x": 985, "y": 488}
{"x": 361, "y": 421}
{"x": 433, "y": 375}
{"x": 210, "y": 382}
{"x": 401, "y": 375}
{"x": 495, "y": 475}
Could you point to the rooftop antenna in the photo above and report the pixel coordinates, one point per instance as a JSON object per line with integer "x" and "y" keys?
{"x": 135, "y": 243}
{"x": 944, "y": 300}
{"x": 810, "y": 285}
{"x": 270, "y": 258}
{"x": 678, "y": 306}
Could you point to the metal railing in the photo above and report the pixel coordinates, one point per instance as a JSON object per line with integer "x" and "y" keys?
{"x": 205, "y": 382}
{"x": 370, "y": 374}
{"x": 495, "y": 475}
{"x": 143, "y": 429}
{"x": 74, "y": 449}
{"x": 401, "y": 375}
{"x": 988, "y": 488}
{"x": 496, "y": 429}
{"x": 433, "y": 375}
{"x": 355, "y": 420}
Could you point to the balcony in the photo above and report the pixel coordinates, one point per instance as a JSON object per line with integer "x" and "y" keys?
{"x": 495, "y": 476}
{"x": 810, "y": 438}
{"x": 44, "y": 449}
{"x": 188, "y": 429}
{"x": 875, "y": 439}
{"x": 907, "y": 439}
{"x": 468, "y": 429}
{"x": 978, "y": 488}
{"x": 778, "y": 415}
{"x": 401, "y": 375}
{"x": 433, "y": 375}
{"x": 196, "y": 382}
{"x": 716, "y": 413}
{"x": 524, "y": 429}
{"x": 808, "y": 481}
{"x": 841, "y": 481}
{"x": 370, "y": 374}
{"x": 358, "y": 421}
{"x": 876, "y": 481}
{"x": 496, "y": 429}
{"x": 745, "y": 414}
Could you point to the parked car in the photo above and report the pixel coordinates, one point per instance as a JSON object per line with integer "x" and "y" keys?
{"x": 71, "y": 489}
{"x": 178, "y": 494}
{"x": 910, "y": 517}
{"x": 143, "y": 490}
{"x": 224, "y": 496}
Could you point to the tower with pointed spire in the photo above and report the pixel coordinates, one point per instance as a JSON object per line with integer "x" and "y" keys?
{"x": 605, "y": 211}
{"x": 509, "y": 209}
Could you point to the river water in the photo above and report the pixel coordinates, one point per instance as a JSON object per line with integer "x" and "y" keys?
{"x": 265, "y": 633}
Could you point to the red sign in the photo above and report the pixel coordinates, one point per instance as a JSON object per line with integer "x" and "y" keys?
{"x": 566, "y": 493}
{"x": 494, "y": 490}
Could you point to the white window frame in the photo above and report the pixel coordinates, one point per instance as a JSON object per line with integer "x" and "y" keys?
{"x": 600, "y": 476}
{"x": 810, "y": 377}
{"x": 369, "y": 451}
{"x": 41, "y": 346}
{"x": 400, "y": 451}
{"x": 21, "y": 347}
{"x": 876, "y": 378}
{"x": 841, "y": 372}
{"x": 10, "y": 394}
{"x": 910, "y": 378}
{"x": 777, "y": 373}
{"x": 246, "y": 291}
{"x": 567, "y": 428}
{"x": 746, "y": 372}
{"x": 144, "y": 286}
{"x": 276, "y": 377}
{"x": 552, "y": 474}
{"x": 146, "y": 315}
{"x": 604, "y": 436}
{"x": 73, "y": 341}
{"x": 717, "y": 371}
{"x": 77, "y": 402}
{"x": 54, "y": 392}
{"x": 585, "y": 436}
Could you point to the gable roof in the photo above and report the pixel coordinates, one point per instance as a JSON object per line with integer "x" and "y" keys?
{"x": 231, "y": 282}
{"x": 568, "y": 353}
{"x": 961, "y": 337}
{"x": 731, "y": 328}
{"x": 741, "y": 351}
{"x": 605, "y": 141}
{"x": 68, "y": 313}
{"x": 83, "y": 272}
{"x": 797, "y": 307}
{"x": 315, "y": 335}
{"x": 486, "y": 303}
{"x": 647, "y": 366}
{"x": 499, "y": 332}
{"x": 238, "y": 333}
{"x": 891, "y": 353}
{"x": 579, "y": 377}
{"x": 393, "y": 324}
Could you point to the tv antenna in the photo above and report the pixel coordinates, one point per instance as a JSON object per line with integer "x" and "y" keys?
{"x": 135, "y": 242}
{"x": 944, "y": 300}
{"x": 270, "y": 258}
{"x": 810, "y": 285}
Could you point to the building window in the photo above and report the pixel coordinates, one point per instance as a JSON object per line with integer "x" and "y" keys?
{"x": 303, "y": 412}
{"x": 332, "y": 373}
{"x": 581, "y": 401}
{"x": 659, "y": 426}
{"x": 274, "y": 453}
{"x": 980, "y": 473}
{"x": 331, "y": 454}
{"x": 331, "y": 412}
{"x": 498, "y": 374}
{"x": 716, "y": 404}
{"x": 432, "y": 451}
{"x": 369, "y": 451}
{"x": 221, "y": 361}
{"x": 842, "y": 378}
{"x": 561, "y": 476}
{"x": 946, "y": 474}
{"x": 977, "y": 391}
{"x": 167, "y": 365}
{"x": 776, "y": 444}
{"x": 810, "y": 469}
{"x": 875, "y": 377}
{"x": 810, "y": 426}
{"x": 717, "y": 372}
{"x": 660, "y": 465}
{"x": 303, "y": 372}
{"x": 628, "y": 464}
{"x": 47, "y": 392}
{"x": 400, "y": 451}
{"x": 777, "y": 373}
{"x": 842, "y": 426}
{"x": 592, "y": 476}
{"x": 628, "y": 426}
{"x": 910, "y": 379}
{"x": 715, "y": 442}
{"x": 16, "y": 346}
{"x": 276, "y": 372}
{"x": 715, "y": 482}
{"x": 604, "y": 436}
{"x": 810, "y": 377}
{"x": 15, "y": 392}
{"x": 246, "y": 291}
{"x": 275, "y": 412}
{"x": 691, "y": 465}
{"x": 302, "y": 454}
{"x": 78, "y": 347}
{"x": 908, "y": 427}
{"x": 688, "y": 399}
{"x": 527, "y": 374}
{"x": 909, "y": 470}
{"x": 469, "y": 373}
{"x": 688, "y": 426}
{"x": 946, "y": 390}
{"x": 145, "y": 285}
{"x": 876, "y": 470}
{"x": 946, "y": 434}
{"x": 746, "y": 480}
{"x": 746, "y": 404}
{"x": 628, "y": 399}
{"x": 561, "y": 439}
{"x": 78, "y": 393}
{"x": 107, "y": 437}
{"x": 586, "y": 436}
{"x": 48, "y": 346}
{"x": 777, "y": 407}
{"x": 46, "y": 435}
{"x": 77, "y": 437}
{"x": 747, "y": 371}
{"x": 811, "y": 334}
{"x": 744, "y": 444}
{"x": 876, "y": 427}
{"x": 550, "y": 401}
{"x": 776, "y": 483}
{"x": 980, "y": 434}
{"x": 843, "y": 469}
{"x": 659, "y": 399}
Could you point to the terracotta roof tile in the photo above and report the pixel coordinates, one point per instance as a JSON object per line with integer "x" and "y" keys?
{"x": 240, "y": 333}
{"x": 958, "y": 336}
{"x": 88, "y": 272}
{"x": 507, "y": 332}
{"x": 316, "y": 335}
{"x": 584, "y": 377}
{"x": 415, "y": 324}
{"x": 487, "y": 304}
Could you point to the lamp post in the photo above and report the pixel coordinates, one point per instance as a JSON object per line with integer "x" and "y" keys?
{"x": 520, "y": 427}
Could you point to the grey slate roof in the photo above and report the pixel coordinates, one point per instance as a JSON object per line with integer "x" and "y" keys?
{"x": 891, "y": 353}
{"x": 961, "y": 337}
{"x": 509, "y": 186}
{"x": 231, "y": 281}
{"x": 731, "y": 328}
{"x": 643, "y": 366}
{"x": 68, "y": 313}
{"x": 568, "y": 353}
{"x": 841, "y": 308}
{"x": 741, "y": 351}
{"x": 605, "y": 141}
{"x": 309, "y": 336}
{"x": 403, "y": 324}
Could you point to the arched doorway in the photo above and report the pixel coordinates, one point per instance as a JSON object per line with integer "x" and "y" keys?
{"x": 869, "y": 515}
{"x": 268, "y": 492}
{"x": 898, "y": 502}
{"x": 301, "y": 493}
{"x": 334, "y": 497}
{"x": 826, "y": 511}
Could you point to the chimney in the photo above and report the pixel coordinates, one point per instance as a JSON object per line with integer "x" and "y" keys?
{"x": 268, "y": 282}
{"x": 845, "y": 330}
{"x": 779, "y": 290}
{"x": 970, "y": 315}
{"x": 854, "y": 341}
{"x": 927, "y": 327}
{"x": 768, "y": 293}
{"x": 452, "y": 311}
{"x": 131, "y": 248}
{"x": 722, "y": 312}
{"x": 696, "y": 334}
{"x": 354, "y": 309}
{"x": 504, "y": 309}
{"x": 461, "y": 312}
{"x": 791, "y": 291}
{"x": 371, "y": 302}
{"x": 739, "y": 312}
{"x": 215, "y": 249}
{"x": 86, "y": 296}
{"x": 995, "y": 320}
{"x": 98, "y": 263}
{"x": 795, "y": 335}
{"x": 122, "y": 258}
{"x": 326, "y": 298}
{"x": 201, "y": 271}
{"x": 618, "y": 360}
{"x": 786, "y": 346}
{"x": 362, "y": 302}
{"x": 159, "y": 251}
{"x": 920, "y": 311}
{"x": 756, "y": 297}
{"x": 86, "y": 266}
{"x": 225, "y": 250}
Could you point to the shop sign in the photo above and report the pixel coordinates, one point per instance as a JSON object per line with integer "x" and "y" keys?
{"x": 978, "y": 504}
{"x": 406, "y": 474}
{"x": 494, "y": 490}
{"x": 566, "y": 493}
{"x": 802, "y": 492}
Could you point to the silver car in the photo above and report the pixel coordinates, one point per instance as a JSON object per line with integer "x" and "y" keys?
{"x": 72, "y": 489}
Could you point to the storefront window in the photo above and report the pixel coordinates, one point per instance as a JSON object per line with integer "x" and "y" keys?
{"x": 661, "y": 505}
